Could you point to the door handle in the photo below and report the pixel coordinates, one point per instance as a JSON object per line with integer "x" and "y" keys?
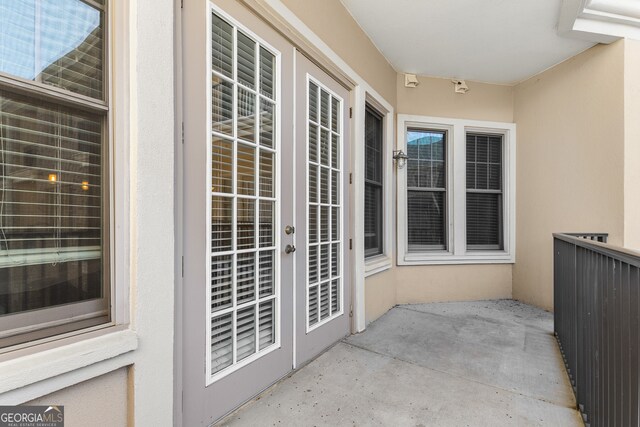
{"x": 289, "y": 229}
{"x": 289, "y": 249}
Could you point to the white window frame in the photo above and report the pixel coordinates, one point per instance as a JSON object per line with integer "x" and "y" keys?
{"x": 382, "y": 262}
{"x": 456, "y": 252}
{"x": 39, "y": 367}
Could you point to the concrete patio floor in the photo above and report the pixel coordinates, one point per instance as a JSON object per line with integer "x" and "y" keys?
{"x": 483, "y": 363}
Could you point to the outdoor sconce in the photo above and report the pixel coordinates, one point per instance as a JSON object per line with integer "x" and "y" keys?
{"x": 400, "y": 157}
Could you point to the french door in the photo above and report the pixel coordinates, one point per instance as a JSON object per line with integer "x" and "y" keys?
{"x": 322, "y": 155}
{"x": 264, "y": 209}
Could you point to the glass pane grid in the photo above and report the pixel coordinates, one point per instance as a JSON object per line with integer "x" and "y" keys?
{"x": 244, "y": 199}
{"x": 323, "y": 186}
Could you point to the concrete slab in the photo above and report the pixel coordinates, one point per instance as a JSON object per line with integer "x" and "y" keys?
{"x": 502, "y": 370}
{"x": 505, "y": 344}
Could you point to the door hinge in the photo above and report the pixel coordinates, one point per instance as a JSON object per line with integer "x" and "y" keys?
{"x": 350, "y": 244}
{"x": 182, "y": 261}
{"x": 183, "y": 133}
{"x": 351, "y": 310}
{"x": 350, "y": 112}
{"x": 181, "y": 4}
{"x": 350, "y": 178}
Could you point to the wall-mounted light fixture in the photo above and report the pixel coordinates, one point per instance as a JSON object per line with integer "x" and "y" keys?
{"x": 411, "y": 80}
{"x": 400, "y": 157}
{"x": 459, "y": 86}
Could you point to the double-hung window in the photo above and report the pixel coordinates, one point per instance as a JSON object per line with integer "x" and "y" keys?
{"x": 373, "y": 184}
{"x": 485, "y": 222}
{"x": 54, "y": 163}
{"x": 456, "y": 194}
{"x": 426, "y": 190}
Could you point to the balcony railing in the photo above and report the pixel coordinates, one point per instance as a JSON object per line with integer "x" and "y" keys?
{"x": 596, "y": 313}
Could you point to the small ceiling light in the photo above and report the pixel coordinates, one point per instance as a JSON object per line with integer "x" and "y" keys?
{"x": 459, "y": 86}
{"x": 411, "y": 80}
{"x": 85, "y": 185}
{"x": 400, "y": 157}
{"x": 53, "y": 177}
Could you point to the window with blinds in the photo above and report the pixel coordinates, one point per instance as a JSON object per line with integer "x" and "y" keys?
{"x": 373, "y": 183}
{"x": 484, "y": 191}
{"x": 243, "y": 293}
{"x": 324, "y": 142}
{"x": 53, "y": 168}
{"x": 426, "y": 190}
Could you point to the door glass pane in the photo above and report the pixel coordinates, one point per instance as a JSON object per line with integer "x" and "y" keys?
{"x": 267, "y": 130}
{"x": 244, "y": 289}
{"x": 221, "y": 342}
{"x": 221, "y": 282}
{"x": 323, "y": 190}
{"x": 246, "y": 60}
{"x": 267, "y": 73}
{"x": 246, "y": 115}
{"x": 222, "y": 106}
{"x": 222, "y": 46}
{"x": 246, "y": 332}
{"x": 222, "y": 165}
{"x": 267, "y": 324}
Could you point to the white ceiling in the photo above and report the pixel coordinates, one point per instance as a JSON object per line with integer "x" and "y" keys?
{"x": 494, "y": 41}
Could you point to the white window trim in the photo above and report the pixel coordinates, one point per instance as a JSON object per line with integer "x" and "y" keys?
{"x": 456, "y": 252}
{"x": 40, "y": 367}
{"x": 382, "y": 262}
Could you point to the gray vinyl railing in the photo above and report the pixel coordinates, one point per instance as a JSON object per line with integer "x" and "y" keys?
{"x": 596, "y": 313}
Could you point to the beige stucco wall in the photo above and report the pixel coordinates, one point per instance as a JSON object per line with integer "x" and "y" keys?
{"x": 452, "y": 283}
{"x": 331, "y": 21}
{"x": 418, "y": 284}
{"x": 570, "y": 162}
{"x": 99, "y": 402}
{"x": 632, "y": 144}
{"x": 379, "y": 294}
{"x": 435, "y": 97}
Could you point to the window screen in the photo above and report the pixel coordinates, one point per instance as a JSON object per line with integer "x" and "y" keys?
{"x": 426, "y": 190}
{"x": 484, "y": 191}
{"x": 373, "y": 183}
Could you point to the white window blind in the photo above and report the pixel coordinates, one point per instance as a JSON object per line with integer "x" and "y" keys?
{"x": 52, "y": 166}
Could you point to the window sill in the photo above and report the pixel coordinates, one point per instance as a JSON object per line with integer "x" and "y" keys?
{"x": 41, "y": 363}
{"x": 451, "y": 259}
{"x": 376, "y": 264}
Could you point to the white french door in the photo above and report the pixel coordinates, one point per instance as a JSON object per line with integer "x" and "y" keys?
{"x": 237, "y": 328}
{"x": 322, "y": 155}
{"x": 253, "y": 191}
